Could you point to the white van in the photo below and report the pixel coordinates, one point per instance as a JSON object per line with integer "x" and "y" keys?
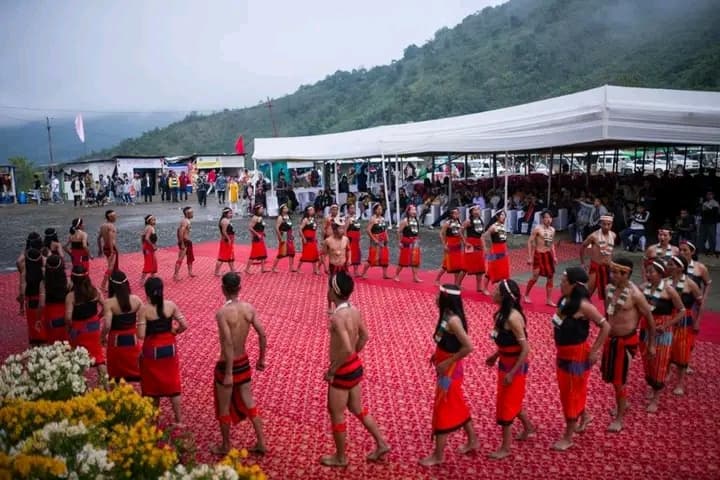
{"x": 605, "y": 163}
{"x": 484, "y": 167}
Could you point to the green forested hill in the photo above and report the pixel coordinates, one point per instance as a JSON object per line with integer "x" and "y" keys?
{"x": 518, "y": 52}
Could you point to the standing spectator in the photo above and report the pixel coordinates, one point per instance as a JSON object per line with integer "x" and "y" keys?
{"x": 233, "y": 193}
{"x": 708, "y": 223}
{"x": 685, "y": 227}
{"x": 127, "y": 192}
{"x": 184, "y": 182}
{"x": 55, "y": 188}
{"x": 77, "y": 187}
{"x": 201, "y": 187}
{"x": 163, "y": 187}
{"x": 147, "y": 185}
{"x": 174, "y": 186}
{"x": 221, "y": 187}
{"x": 37, "y": 185}
{"x": 598, "y": 211}
{"x": 136, "y": 187}
{"x": 211, "y": 179}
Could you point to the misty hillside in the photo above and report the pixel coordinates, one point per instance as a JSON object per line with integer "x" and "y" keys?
{"x": 518, "y": 52}
{"x": 101, "y": 132}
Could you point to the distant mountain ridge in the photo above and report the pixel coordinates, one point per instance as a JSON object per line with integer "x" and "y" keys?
{"x": 521, "y": 51}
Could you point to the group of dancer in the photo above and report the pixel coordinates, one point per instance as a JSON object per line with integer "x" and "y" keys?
{"x": 132, "y": 340}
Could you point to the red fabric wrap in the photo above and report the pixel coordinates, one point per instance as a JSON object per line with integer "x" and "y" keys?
{"x": 349, "y": 374}
{"x": 310, "y": 251}
{"x": 573, "y": 371}
{"x": 226, "y": 252}
{"x": 498, "y": 263}
{"x": 656, "y": 367}
{"x": 683, "y": 340}
{"x": 450, "y": 411}
{"x": 159, "y": 377}
{"x": 602, "y": 272}
{"x": 339, "y": 427}
{"x": 616, "y": 356}
{"x": 510, "y": 397}
{"x": 286, "y": 247}
{"x": 80, "y": 256}
{"x": 355, "y": 253}
{"x": 123, "y": 360}
{"x": 242, "y": 373}
{"x": 258, "y": 249}
{"x": 37, "y": 335}
{"x": 54, "y": 321}
{"x": 379, "y": 255}
{"x": 453, "y": 259}
{"x": 86, "y": 333}
{"x": 474, "y": 256}
{"x": 150, "y": 264}
{"x": 189, "y": 252}
{"x": 543, "y": 261}
{"x": 409, "y": 252}
{"x": 107, "y": 251}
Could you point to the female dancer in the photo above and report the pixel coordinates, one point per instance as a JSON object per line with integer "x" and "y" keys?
{"x": 379, "y": 255}
{"x": 451, "y": 235}
{"x": 450, "y": 411}
{"x": 83, "y": 319}
{"x": 575, "y": 358}
{"x": 51, "y": 244}
{"x": 498, "y": 260}
{"x": 56, "y": 289}
{"x": 474, "y": 260}
{"x": 226, "y": 252}
{"x": 34, "y": 240}
{"x": 149, "y": 248}
{"x": 159, "y": 362}
{"x": 510, "y": 337}
{"x": 119, "y": 331}
{"x": 31, "y": 286}
{"x": 698, "y": 272}
{"x": 408, "y": 231}
{"x": 308, "y": 228}
{"x": 353, "y": 233}
{"x": 258, "y": 249}
{"x": 77, "y": 245}
{"x": 286, "y": 242}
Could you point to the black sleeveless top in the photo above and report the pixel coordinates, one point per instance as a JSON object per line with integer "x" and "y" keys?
{"x": 32, "y": 288}
{"x": 76, "y": 245}
{"x": 354, "y": 224}
{"x": 448, "y": 342}
{"x": 310, "y": 225}
{"x": 123, "y": 321}
{"x": 506, "y": 338}
{"x": 663, "y": 306}
{"x": 55, "y": 296}
{"x": 570, "y": 330}
{"x": 453, "y": 228}
{"x": 412, "y": 229}
{"x": 259, "y": 226}
{"x": 499, "y": 235}
{"x": 687, "y": 299}
{"x": 230, "y": 230}
{"x": 378, "y": 227}
{"x": 475, "y": 228}
{"x": 85, "y": 311}
{"x": 285, "y": 225}
{"x": 153, "y": 238}
{"x": 161, "y": 325}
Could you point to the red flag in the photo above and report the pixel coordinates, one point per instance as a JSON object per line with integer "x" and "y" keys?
{"x": 240, "y": 146}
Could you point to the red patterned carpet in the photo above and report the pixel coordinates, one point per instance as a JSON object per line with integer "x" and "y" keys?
{"x": 679, "y": 441}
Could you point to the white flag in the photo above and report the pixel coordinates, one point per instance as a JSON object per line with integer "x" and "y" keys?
{"x": 80, "y": 128}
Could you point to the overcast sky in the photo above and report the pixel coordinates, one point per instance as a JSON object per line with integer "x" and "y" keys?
{"x": 135, "y": 55}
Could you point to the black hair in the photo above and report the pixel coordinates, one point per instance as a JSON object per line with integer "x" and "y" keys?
{"x": 147, "y": 219}
{"x": 76, "y": 223}
{"x": 448, "y": 303}
{"x": 306, "y": 211}
{"x": 625, "y": 262}
{"x": 108, "y": 213}
{"x": 83, "y": 288}
{"x": 33, "y": 268}
{"x": 659, "y": 267}
{"x": 577, "y": 277}
{"x": 186, "y": 209}
{"x": 55, "y": 277}
{"x": 683, "y": 261}
{"x": 546, "y": 211}
{"x": 31, "y": 237}
{"x": 154, "y": 292}
{"x": 345, "y": 284}
{"x": 119, "y": 287}
{"x": 231, "y": 283}
{"x": 509, "y": 301}
{"x": 375, "y": 207}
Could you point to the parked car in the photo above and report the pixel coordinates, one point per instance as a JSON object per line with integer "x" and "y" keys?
{"x": 484, "y": 167}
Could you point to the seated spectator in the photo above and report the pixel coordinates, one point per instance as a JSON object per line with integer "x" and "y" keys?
{"x": 634, "y": 236}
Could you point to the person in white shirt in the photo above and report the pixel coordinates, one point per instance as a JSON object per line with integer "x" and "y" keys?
{"x": 55, "y": 188}
{"x": 478, "y": 200}
{"x": 636, "y": 232}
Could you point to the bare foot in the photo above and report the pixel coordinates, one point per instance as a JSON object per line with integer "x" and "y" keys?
{"x": 219, "y": 450}
{"x": 192, "y": 275}
{"x": 363, "y": 276}
{"x": 679, "y": 391}
{"x": 689, "y": 370}
{"x": 333, "y": 461}
{"x": 266, "y": 271}
{"x": 176, "y": 278}
{"x": 615, "y": 426}
{"x": 468, "y": 448}
{"x": 652, "y": 407}
{"x": 294, "y": 270}
{"x": 485, "y": 291}
{"x": 386, "y": 277}
{"x": 526, "y": 434}
{"x": 550, "y": 303}
{"x": 613, "y": 411}
{"x": 247, "y": 272}
{"x": 217, "y": 274}
{"x": 417, "y": 280}
{"x": 584, "y": 423}
{"x": 526, "y": 299}
{"x": 275, "y": 270}
{"x": 430, "y": 461}
{"x": 317, "y": 273}
{"x": 378, "y": 454}
{"x": 562, "y": 445}
{"x": 258, "y": 449}
{"x": 397, "y": 279}
{"x": 499, "y": 454}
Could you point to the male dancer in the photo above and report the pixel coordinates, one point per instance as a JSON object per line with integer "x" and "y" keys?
{"x": 328, "y": 225}
{"x": 184, "y": 243}
{"x": 542, "y": 256}
{"x": 233, "y": 398}
{"x": 107, "y": 245}
{"x": 348, "y": 336}
{"x": 624, "y": 305}
{"x": 660, "y": 251}
{"x": 336, "y": 247}
{"x": 601, "y": 243}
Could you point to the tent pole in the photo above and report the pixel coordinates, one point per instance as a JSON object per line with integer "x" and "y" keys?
{"x": 494, "y": 172}
{"x": 397, "y": 189}
{"x": 337, "y": 184}
{"x": 450, "y": 174}
{"x": 507, "y": 175}
{"x": 465, "y": 168}
{"x": 685, "y": 160}
{"x": 550, "y": 165}
{"x": 385, "y": 187}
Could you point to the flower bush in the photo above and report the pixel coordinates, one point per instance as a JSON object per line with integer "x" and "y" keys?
{"x": 55, "y": 429}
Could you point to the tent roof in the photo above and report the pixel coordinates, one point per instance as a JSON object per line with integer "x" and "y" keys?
{"x": 598, "y": 118}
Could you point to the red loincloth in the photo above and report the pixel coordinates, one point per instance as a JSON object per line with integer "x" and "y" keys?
{"x": 450, "y": 411}
{"x": 160, "y": 366}
{"x": 226, "y": 252}
{"x": 189, "y": 252}
{"x": 242, "y": 373}
{"x": 683, "y": 340}
{"x": 573, "y": 371}
{"x": 498, "y": 263}
{"x": 37, "y": 335}
{"x": 602, "y": 277}
{"x": 543, "y": 261}
{"x": 150, "y": 264}
{"x": 355, "y": 253}
{"x": 349, "y": 374}
{"x": 510, "y": 397}
{"x": 656, "y": 367}
{"x": 54, "y": 321}
{"x": 453, "y": 259}
{"x": 409, "y": 252}
{"x": 107, "y": 251}
{"x": 310, "y": 251}
{"x": 616, "y": 356}
{"x": 474, "y": 256}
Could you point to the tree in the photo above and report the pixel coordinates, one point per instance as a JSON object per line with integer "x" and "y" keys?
{"x": 24, "y": 172}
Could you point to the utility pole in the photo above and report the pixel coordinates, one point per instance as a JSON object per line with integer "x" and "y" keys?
{"x": 272, "y": 118}
{"x": 47, "y": 120}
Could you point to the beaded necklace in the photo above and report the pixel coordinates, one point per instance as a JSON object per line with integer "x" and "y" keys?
{"x": 612, "y": 302}
{"x": 653, "y": 295}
